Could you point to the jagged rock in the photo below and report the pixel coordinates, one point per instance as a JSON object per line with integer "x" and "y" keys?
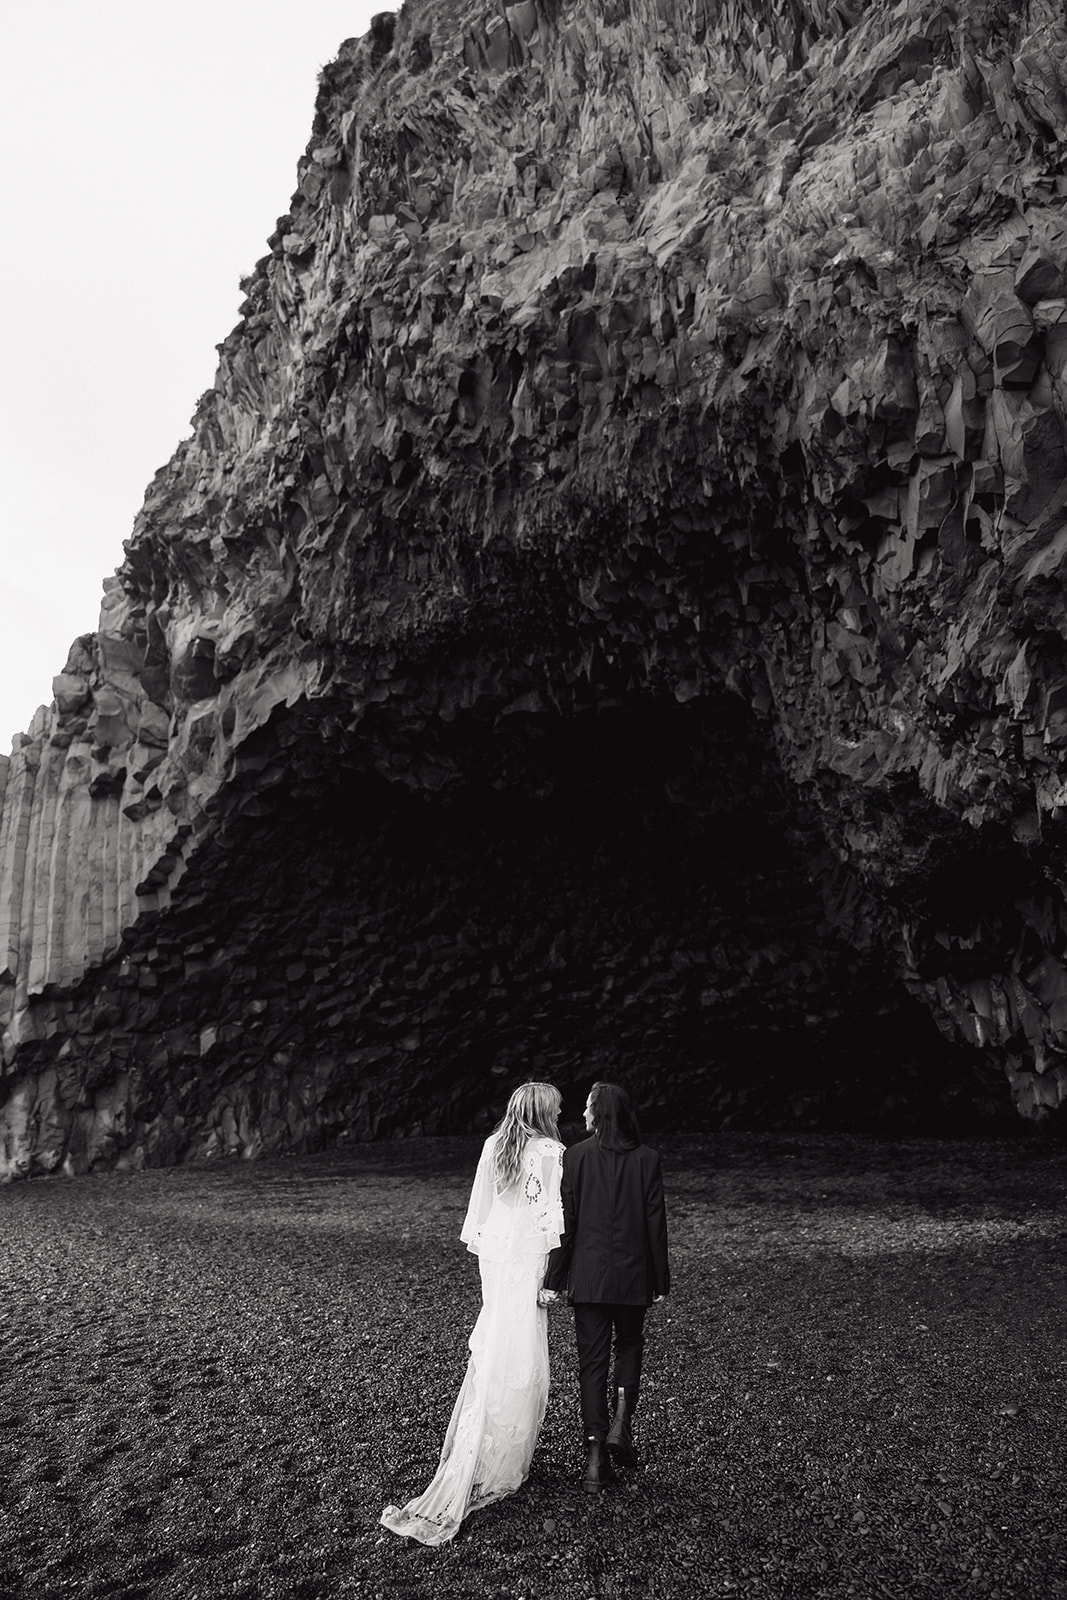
{"x": 609, "y": 609}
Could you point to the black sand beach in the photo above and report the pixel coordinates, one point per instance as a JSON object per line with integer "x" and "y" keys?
{"x": 213, "y": 1379}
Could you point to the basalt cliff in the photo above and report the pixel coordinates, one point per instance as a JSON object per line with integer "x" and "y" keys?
{"x": 608, "y": 616}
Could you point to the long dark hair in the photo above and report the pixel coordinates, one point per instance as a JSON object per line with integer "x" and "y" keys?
{"x": 614, "y": 1118}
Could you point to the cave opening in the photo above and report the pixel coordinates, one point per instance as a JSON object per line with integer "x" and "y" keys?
{"x": 632, "y": 891}
{"x": 628, "y": 892}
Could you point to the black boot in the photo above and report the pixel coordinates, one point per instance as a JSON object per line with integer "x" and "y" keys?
{"x": 598, "y": 1472}
{"x": 620, "y": 1441}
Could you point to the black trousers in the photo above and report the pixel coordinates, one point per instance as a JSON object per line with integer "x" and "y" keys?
{"x": 595, "y": 1328}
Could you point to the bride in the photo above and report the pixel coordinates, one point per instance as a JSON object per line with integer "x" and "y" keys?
{"x": 513, "y": 1220}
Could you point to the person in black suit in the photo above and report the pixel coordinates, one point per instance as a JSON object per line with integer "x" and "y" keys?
{"x": 612, "y": 1260}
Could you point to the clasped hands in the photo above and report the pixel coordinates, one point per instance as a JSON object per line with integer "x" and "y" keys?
{"x": 548, "y": 1297}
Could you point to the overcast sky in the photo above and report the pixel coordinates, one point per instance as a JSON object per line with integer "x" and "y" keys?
{"x": 147, "y": 149}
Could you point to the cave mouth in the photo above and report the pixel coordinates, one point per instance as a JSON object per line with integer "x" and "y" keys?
{"x": 631, "y": 892}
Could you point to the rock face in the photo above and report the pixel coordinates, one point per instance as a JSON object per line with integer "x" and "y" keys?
{"x": 609, "y": 613}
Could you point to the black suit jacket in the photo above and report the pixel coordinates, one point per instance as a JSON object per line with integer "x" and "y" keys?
{"x": 614, "y": 1244}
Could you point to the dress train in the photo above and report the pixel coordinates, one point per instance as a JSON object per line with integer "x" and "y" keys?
{"x": 498, "y": 1413}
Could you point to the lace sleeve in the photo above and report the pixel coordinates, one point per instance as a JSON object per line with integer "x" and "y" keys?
{"x": 544, "y": 1173}
{"x": 480, "y": 1203}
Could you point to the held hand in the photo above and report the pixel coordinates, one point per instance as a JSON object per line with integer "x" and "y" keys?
{"x": 656, "y": 1298}
{"x": 547, "y": 1297}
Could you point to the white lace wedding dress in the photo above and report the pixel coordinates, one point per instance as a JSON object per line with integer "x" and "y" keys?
{"x": 500, "y": 1407}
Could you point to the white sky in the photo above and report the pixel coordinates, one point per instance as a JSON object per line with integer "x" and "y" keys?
{"x": 146, "y": 149}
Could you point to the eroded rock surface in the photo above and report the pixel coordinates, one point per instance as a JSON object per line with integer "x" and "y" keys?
{"x": 609, "y": 612}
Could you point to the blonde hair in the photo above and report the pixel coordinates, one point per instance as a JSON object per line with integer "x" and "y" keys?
{"x": 532, "y": 1113}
